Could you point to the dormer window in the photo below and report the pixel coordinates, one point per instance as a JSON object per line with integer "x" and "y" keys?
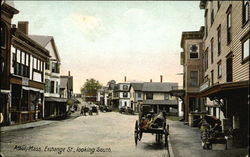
{"x": 125, "y": 87}
{"x": 194, "y": 51}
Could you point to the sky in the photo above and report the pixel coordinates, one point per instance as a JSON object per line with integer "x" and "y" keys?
{"x": 107, "y": 40}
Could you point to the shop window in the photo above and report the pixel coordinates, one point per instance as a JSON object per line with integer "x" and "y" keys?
{"x": 149, "y": 96}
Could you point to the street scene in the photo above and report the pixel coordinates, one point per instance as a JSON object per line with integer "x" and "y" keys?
{"x": 124, "y": 78}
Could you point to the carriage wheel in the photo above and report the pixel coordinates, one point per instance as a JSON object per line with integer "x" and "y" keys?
{"x": 136, "y": 132}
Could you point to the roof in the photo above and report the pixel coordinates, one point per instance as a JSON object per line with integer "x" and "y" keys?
{"x": 55, "y": 99}
{"x": 160, "y": 102}
{"x": 158, "y": 86}
{"x": 192, "y": 35}
{"x": 42, "y": 40}
{"x": 63, "y": 82}
{"x": 66, "y": 81}
{"x": 137, "y": 86}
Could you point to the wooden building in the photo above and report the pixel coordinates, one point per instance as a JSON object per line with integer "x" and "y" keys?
{"x": 28, "y": 60}
{"x": 7, "y": 12}
{"x": 226, "y": 69}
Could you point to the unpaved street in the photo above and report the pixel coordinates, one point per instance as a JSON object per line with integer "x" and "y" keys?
{"x": 106, "y": 134}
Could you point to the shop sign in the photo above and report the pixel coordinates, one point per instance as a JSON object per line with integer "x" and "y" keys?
{"x": 25, "y": 81}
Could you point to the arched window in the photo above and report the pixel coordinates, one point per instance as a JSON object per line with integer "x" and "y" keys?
{"x": 3, "y": 35}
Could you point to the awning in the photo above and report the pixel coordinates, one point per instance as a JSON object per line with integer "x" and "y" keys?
{"x": 161, "y": 102}
{"x": 219, "y": 90}
{"x": 33, "y": 89}
{"x": 55, "y": 99}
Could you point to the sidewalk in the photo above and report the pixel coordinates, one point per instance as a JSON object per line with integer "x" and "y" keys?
{"x": 186, "y": 142}
{"x": 36, "y": 123}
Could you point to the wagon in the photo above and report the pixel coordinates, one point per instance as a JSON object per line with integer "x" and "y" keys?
{"x": 93, "y": 109}
{"x": 157, "y": 127}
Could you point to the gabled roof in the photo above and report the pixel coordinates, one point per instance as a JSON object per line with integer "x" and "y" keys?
{"x": 43, "y": 40}
{"x": 66, "y": 81}
{"x": 137, "y": 86}
{"x": 158, "y": 86}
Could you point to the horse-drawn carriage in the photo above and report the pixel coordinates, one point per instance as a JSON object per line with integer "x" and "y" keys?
{"x": 151, "y": 122}
{"x": 93, "y": 109}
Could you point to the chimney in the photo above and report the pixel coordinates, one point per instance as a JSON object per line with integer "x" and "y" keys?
{"x": 150, "y": 80}
{"x": 23, "y": 26}
{"x": 69, "y": 73}
{"x": 161, "y": 78}
{"x": 125, "y": 78}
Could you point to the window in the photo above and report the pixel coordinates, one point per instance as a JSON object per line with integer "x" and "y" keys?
{"x": 18, "y": 58}
{"x": 3, "y": 35}
{"x": 229, "y": 68}
{"x": 194, "y": 78}
{"x": 245, "y": 50}
{"x": 229, "y": 26}
{"x": 47, "y": 65}
{"x": 212, "y": 77}
{"x": 212, "y": 50}
{"x": 219, "y": 39}
{"x": 245, "y": 12}
{"x": 149, "y": 96}
{"x": 218, "y": 4}
{"x": 21, "y": 66}
{"x": 125, "y": 94}
{"x": 125, "y": 87}
{"x": 57, "y": 87}
{"x": 47, "y": 85}
{"x": 193, "y": 51}
{"x": 212, "y": 17}
{"x": 206, "y": 60}
{"x": 139, "y": 94}
{"x": 52, "y": 86}
{"x": 206, "y": 23}
{"x": 166, "y": 96}
{"x": 219, "y": 69}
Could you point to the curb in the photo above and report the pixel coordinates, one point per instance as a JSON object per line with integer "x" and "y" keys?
{"x": 22, "y": 127}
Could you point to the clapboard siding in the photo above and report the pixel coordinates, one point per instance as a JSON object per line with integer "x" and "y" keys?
{"x": 240, "y": 71}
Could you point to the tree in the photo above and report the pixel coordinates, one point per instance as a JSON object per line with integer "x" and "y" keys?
{"x": 90, "y": 87}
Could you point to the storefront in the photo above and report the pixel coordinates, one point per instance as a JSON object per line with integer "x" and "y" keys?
{"x": 55, "y": 108}
{"x": 233, "y": 100}
{"x": 26, "y": 104}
